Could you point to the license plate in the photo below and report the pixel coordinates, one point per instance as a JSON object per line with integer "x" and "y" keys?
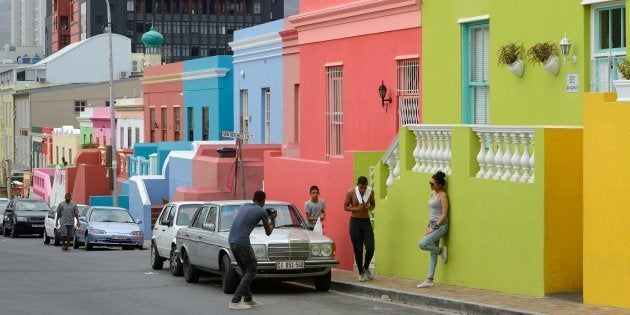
{"x": 118, "y": 237}
{"x": 37, "y": 225}
{"x": 290, "y": 264}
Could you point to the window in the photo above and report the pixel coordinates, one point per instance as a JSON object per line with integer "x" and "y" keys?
{"x": 267, "y": 114}
{"x": 131, "y": 6}
{"x": 191, "y": 125}
{"x": 137, "y": 135}
{"x": 152, "y": 123}
{"x": 79, "y": 106}
{"x": 57, "y": 154}
{"x": 334, "y": 111}
{"x": 122, "y": 137}
{"x": 408, "y": 86}
{"x": 476, "y": 107}
{"x": 244, "y": 123}
{"x": 129, "y": 142}
{"x": 164, "y": 125}
{"x": 296, "y": 113}
{"x": 609, "y": 46}
{"x": 70, "y": 156}
{"x": 106, "y": 103}
{"x": 200, "y": 219}
{"x": 205, "y": 114}
{"x": 176, "y": 122}
{"x": 105, "y": 140}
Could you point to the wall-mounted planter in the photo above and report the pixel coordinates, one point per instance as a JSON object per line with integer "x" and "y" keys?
{"x": 552, "y": 64}
{"x": 517, "y": 67}
{"x": 623, "y": 90}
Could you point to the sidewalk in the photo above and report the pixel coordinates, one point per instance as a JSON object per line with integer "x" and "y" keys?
{"x": 458, "y": 299}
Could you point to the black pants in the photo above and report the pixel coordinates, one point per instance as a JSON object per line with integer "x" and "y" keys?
{"x": 246, "y": 260}
{"x": 361, "y": 234}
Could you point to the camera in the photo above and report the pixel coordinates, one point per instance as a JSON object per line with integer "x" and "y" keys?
{"x": 271, "y": 211}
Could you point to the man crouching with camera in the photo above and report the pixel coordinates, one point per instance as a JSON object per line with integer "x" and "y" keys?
{"x": 246, "y": 220}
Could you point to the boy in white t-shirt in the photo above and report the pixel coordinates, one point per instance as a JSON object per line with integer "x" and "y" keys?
{"x": 315, "y": 208}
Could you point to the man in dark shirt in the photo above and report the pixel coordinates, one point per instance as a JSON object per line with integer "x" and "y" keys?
{"x": 67, "y": 212}
{"x": 247, "y": 218}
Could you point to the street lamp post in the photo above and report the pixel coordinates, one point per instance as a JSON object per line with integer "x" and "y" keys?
{"x": 112, "y": 119}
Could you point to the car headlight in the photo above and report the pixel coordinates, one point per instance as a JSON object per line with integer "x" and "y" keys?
{"x": 136, "y": 233}
{"x": 316, "y": 250}
{"x": 21, "y": 219}
{"x": 97, "y": 231}
{"x": 260, "y": 251}
{"x": 327, "y": 249}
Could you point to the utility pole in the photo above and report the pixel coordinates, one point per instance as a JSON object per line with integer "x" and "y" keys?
{"x": 112, "y": 118}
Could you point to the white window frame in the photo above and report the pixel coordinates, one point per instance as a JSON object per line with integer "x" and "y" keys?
{"x": 408, "y": 90}
{"x": 334, "y": 111}
{"x": 267, "y": 113}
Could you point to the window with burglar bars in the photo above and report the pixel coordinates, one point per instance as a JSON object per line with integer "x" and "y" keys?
{"x": 408, "y": 92}
{"x": 267, "y": 99}
{"x": 334, "y": 111}
{"x": 609, "y": 46}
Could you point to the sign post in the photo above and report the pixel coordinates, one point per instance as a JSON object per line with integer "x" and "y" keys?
{"x": 238, "y": 160}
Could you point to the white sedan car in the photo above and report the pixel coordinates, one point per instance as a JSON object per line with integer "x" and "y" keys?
{"x": 51, "y": 231}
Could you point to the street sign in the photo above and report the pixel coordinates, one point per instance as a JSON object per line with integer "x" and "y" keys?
{"x": 235, "y": 135}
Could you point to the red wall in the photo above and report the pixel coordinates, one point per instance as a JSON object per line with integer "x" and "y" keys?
{"x": 311, "y": 5}
{"x": 163, "y": 94}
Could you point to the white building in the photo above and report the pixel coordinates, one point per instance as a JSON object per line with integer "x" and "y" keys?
{"x": 129, "y": 121}
{"x": 28, "y": 23}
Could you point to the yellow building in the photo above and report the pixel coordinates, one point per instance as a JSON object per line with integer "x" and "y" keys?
{"x": 65, "y": 144}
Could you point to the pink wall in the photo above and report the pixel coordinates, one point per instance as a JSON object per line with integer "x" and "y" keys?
{"x": 165, "y": 93}
{"x": 291, "y": 81}
{"x": 42, "y": 186}
{"x": 312, "y": 5}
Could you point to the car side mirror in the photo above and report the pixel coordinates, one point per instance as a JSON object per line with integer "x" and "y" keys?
{"x": 166, "y": 222}
{"x": 8, "y": 211}
{"x": 138, "y": 221}
{"x": 82, "y": 218}
{"x": 208, "y": 226}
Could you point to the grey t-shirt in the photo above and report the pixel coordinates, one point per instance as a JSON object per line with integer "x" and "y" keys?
{"x": 66, "y": 212}
{"x": 246, "y": 219}
{"x": 314, "y": 209}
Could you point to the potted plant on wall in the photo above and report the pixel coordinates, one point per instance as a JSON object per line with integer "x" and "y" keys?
{"x": 545, "y": 54}
{"x": 623, "y": 86}
{"x": 511, "y": 56}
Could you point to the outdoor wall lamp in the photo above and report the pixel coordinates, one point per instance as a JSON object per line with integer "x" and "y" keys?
{"x": 565, "y": 48}
{"x": 156, "y": 125}
{"x": 382, "y": 91}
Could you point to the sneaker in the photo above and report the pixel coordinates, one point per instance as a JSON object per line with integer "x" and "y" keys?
{"x": 362, "y": 278}
{"x": 253, "y": 303}
{"x": 444, "y": 253}
{"x": 425, "y": 284}
{"x": 239, "y": 306}
{"x": 368, "y": 274}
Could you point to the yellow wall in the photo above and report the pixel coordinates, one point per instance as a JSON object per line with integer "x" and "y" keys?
{"x": 69, "y": 141}
{"x": 563, "y": 210}
{"x": 606, "y": 201}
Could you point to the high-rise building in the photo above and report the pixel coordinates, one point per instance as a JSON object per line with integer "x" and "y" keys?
{"x": 191, "y": 28}
{"x": 28, "y": 23}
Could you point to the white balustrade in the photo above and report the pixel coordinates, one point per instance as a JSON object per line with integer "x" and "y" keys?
{"x": 433, "y": 148}
{"x": 500, "y": 156}
{"x": 392, "y": 160}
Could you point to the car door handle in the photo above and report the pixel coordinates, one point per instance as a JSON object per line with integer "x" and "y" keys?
{"x": 186, "y": 234}
{"x": 199, "y": 237}
{"x": 163, "y": 230}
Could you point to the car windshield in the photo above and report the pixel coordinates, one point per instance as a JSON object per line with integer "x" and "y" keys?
{"x": 31, "y": 205}
{"x": 3, "y": 204}
{"x": 186, "y": 212}
{"x": 111, "y": 215}
{"x": 287, "y": 216}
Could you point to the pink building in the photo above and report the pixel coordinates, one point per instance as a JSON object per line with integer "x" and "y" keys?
{"x": 101, "y": 125}
{"x": 346, "y": 49}
{"x": 162, "y": 87}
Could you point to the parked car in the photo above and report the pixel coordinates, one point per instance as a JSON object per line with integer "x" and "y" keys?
{"x": 25, "y": 216}
{"x": 291, "y": 251}
{"x": 174, "y": 216}
{"x": 50, "y": 228}
{"x": 4, "y": 202}
{"x": 108, "y": 226}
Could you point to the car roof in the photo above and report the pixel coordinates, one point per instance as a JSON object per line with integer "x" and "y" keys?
{"x": 188, "y": 202}
{"x": 108, "y": 208}
{"x": 4, "y": 199}
{"x": 240, "y": 202}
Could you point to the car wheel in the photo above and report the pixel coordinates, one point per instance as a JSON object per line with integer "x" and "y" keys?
{"x": 157, "y": 262}
{"x": 228, "y": 276}
{"x": 75, "y": 242}
{"x": 88, "y": 246}
{"x": 191, "y": 275}
{"x": 323, "y": 282}
{"x": 57, "y": 241}
{"x": 14, "y": 232}
{"x": 46, "y": 238}
{"x": 174, "y": 264}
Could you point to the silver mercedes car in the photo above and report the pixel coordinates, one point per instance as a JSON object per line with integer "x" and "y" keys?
{"x": 291, "y": 251}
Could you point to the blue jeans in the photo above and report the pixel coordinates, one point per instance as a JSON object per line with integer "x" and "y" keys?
{"x": 246, "y": 260}
{"x": 431, "y": 243}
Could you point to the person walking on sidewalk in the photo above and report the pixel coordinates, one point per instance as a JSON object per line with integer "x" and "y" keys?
{"x": 359, "y": 200}
{"x": 247, "y": 218}
{"x": 67, "y": 211}
{"x": 315, "y": 208}
{"x": 438, "y": 225}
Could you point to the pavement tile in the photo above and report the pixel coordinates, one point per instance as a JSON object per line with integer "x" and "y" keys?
{"x": 464, "y": 300}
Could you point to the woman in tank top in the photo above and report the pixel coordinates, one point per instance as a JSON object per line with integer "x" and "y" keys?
{"x": 437, "y": 227}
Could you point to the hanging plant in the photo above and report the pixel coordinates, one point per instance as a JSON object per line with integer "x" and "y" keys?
{"x": 510, "y": 55}
{"x": 545, "y": 54}
{"x": 623, "y": 66}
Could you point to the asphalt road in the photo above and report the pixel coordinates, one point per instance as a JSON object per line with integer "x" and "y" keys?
{"x": 42, "y": 279}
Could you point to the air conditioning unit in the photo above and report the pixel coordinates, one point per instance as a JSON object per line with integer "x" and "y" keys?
{"x": 41, "y": 80}
{"x": 123, "y": 74}
{"x": 11, "y": 48}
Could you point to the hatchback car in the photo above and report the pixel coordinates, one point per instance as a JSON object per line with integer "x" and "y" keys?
{"x": 108, "y": 226}
{"x": 51, "y": 228}
{"x": 4, "y": 202}
{"x": 174, "y": 216}
{"x": 25, "y": 216}
{"x": 291, "y": 251}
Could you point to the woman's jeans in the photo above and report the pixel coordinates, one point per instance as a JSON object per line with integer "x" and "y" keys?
{"x": 431, "y": 243}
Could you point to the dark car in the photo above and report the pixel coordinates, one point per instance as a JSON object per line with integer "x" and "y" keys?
{"x": 4, "y": 202}
{"x": 25, "y": 216}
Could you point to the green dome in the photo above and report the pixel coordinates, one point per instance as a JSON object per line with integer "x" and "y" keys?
{"x": 152, "y": 38}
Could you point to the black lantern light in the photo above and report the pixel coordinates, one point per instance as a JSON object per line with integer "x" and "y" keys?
{"x": 382, "y": 91}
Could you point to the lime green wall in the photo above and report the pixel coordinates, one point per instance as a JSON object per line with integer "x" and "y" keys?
{"x": 496, "y": 236}
{"x": 363, "y": 161}
{"x": 537, "y": 98}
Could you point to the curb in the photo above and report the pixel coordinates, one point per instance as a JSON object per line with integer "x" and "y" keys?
{"x": 455, "y": 305}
